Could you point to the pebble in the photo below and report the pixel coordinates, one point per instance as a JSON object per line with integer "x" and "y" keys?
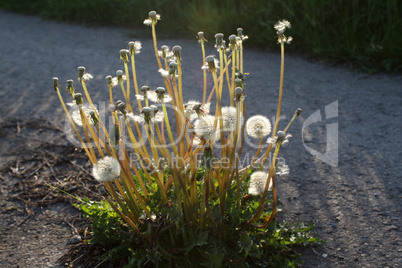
{"x": 76, "y": 239}
{"x": 325, "y": 255}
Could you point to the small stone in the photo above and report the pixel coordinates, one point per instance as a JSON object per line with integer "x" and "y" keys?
{"x": 325, "y": 255}
{"x": 76, "y": 239}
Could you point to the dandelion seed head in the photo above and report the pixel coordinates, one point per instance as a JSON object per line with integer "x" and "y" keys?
{"x": 258, "y": 126}
{"x": 76, "y": 115}
{"x": 107, "y": 169}
{"x": 204, "y": 128}
{"x": 229, "y": 118}
{"x": 193, "y": 109}
{"x": 258, "y": 181}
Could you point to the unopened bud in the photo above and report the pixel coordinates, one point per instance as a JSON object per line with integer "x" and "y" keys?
{"x": 298, "y": 111}
{"x": 219, "y": 39}
{"x": 93, "y": 116}
{"x": 281, "y": 136}
{"x": 176, "y": 51}
{"x": 109, "y": 80}
{"x": 55, "y": 83}
{"x": 78, "y": 99}
{"x": 152, "y": 14}
{"x": 81, "y": 71}
{"x": 144, "y": 89}
{"x": 124, "y": 55}
{"x": 70, "y": 87}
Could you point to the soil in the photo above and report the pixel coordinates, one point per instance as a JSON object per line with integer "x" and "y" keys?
{"x": 355, "y": 203}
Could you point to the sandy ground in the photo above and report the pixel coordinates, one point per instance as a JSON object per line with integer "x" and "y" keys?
{"x": 356, "y": 203}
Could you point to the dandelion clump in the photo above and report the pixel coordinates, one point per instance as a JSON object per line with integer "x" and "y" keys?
{"x": 176, "y": 182}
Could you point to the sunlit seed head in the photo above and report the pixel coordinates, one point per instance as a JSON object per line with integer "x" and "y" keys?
{"x": 229, "y": 116}
{"x": 122, "y": 107}
{"x": 107, "y": 169}
{"x": 204, "y": 128}
{"x": 194, "y": 109}
{"x": 258, "y": 126}
{"x": 76, "y": 115}
{"x": 258, "y": 180}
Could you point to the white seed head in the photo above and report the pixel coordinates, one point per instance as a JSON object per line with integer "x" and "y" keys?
{"x": 258, "y": 180}
{"x": 258, "y": 126}
{"x": 204, "y": 128}
{"x": 107, "y": 169}
{"x": 193, "y": 109}
{"x": 76, "y": 115}
{"x": 229, "y": 117}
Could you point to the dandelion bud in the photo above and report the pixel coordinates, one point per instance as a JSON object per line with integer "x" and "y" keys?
{"x": 281, "y": 136}
{"x": 146, "y": 111}
{"x": 124, "y": 55}
{"x": 93, "y": 117}
{"x": 70, "y": 87}
{"x": 154, "y": 109}
{"x": 238, "y": 92}
{"x": 78, "y": 99}
{"x": 109, "y": 80}
{"x": 152, "y": 14}
{"x": 258, "y": 180}
{"x": 122, "y": 107}
{"x": 55, "y": 83}
{"x": 232, "y": 41}
{"x": 201, "y": 37}
{"x": 81, "y": 72}
{"x": 134, "y": 47}
{"x": 172, "y": 68}
{"x": 219, "y": 40}
{"x": 120, "y": 77}
{"x": 298, "y": 112}
{"x": 177, "y": 51}
{"x": 238, "y": 82}
{"x": 144, "y": 89}
{"x": 240, "y": 32}
{"x": 118, "y": 102}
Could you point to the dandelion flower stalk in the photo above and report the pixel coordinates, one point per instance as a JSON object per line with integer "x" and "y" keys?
{"x": 134, "y": 48}
{"x": 202, "y": 41}
{"x": 56, "y": 86}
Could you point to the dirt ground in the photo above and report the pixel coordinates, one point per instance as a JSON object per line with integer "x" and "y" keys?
{"x": 355, "y": 203}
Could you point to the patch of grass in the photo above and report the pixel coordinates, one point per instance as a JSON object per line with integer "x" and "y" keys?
{"x": 365, "y": 34}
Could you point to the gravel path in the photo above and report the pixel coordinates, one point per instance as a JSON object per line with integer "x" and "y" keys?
{"x": 356, "y": 203}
